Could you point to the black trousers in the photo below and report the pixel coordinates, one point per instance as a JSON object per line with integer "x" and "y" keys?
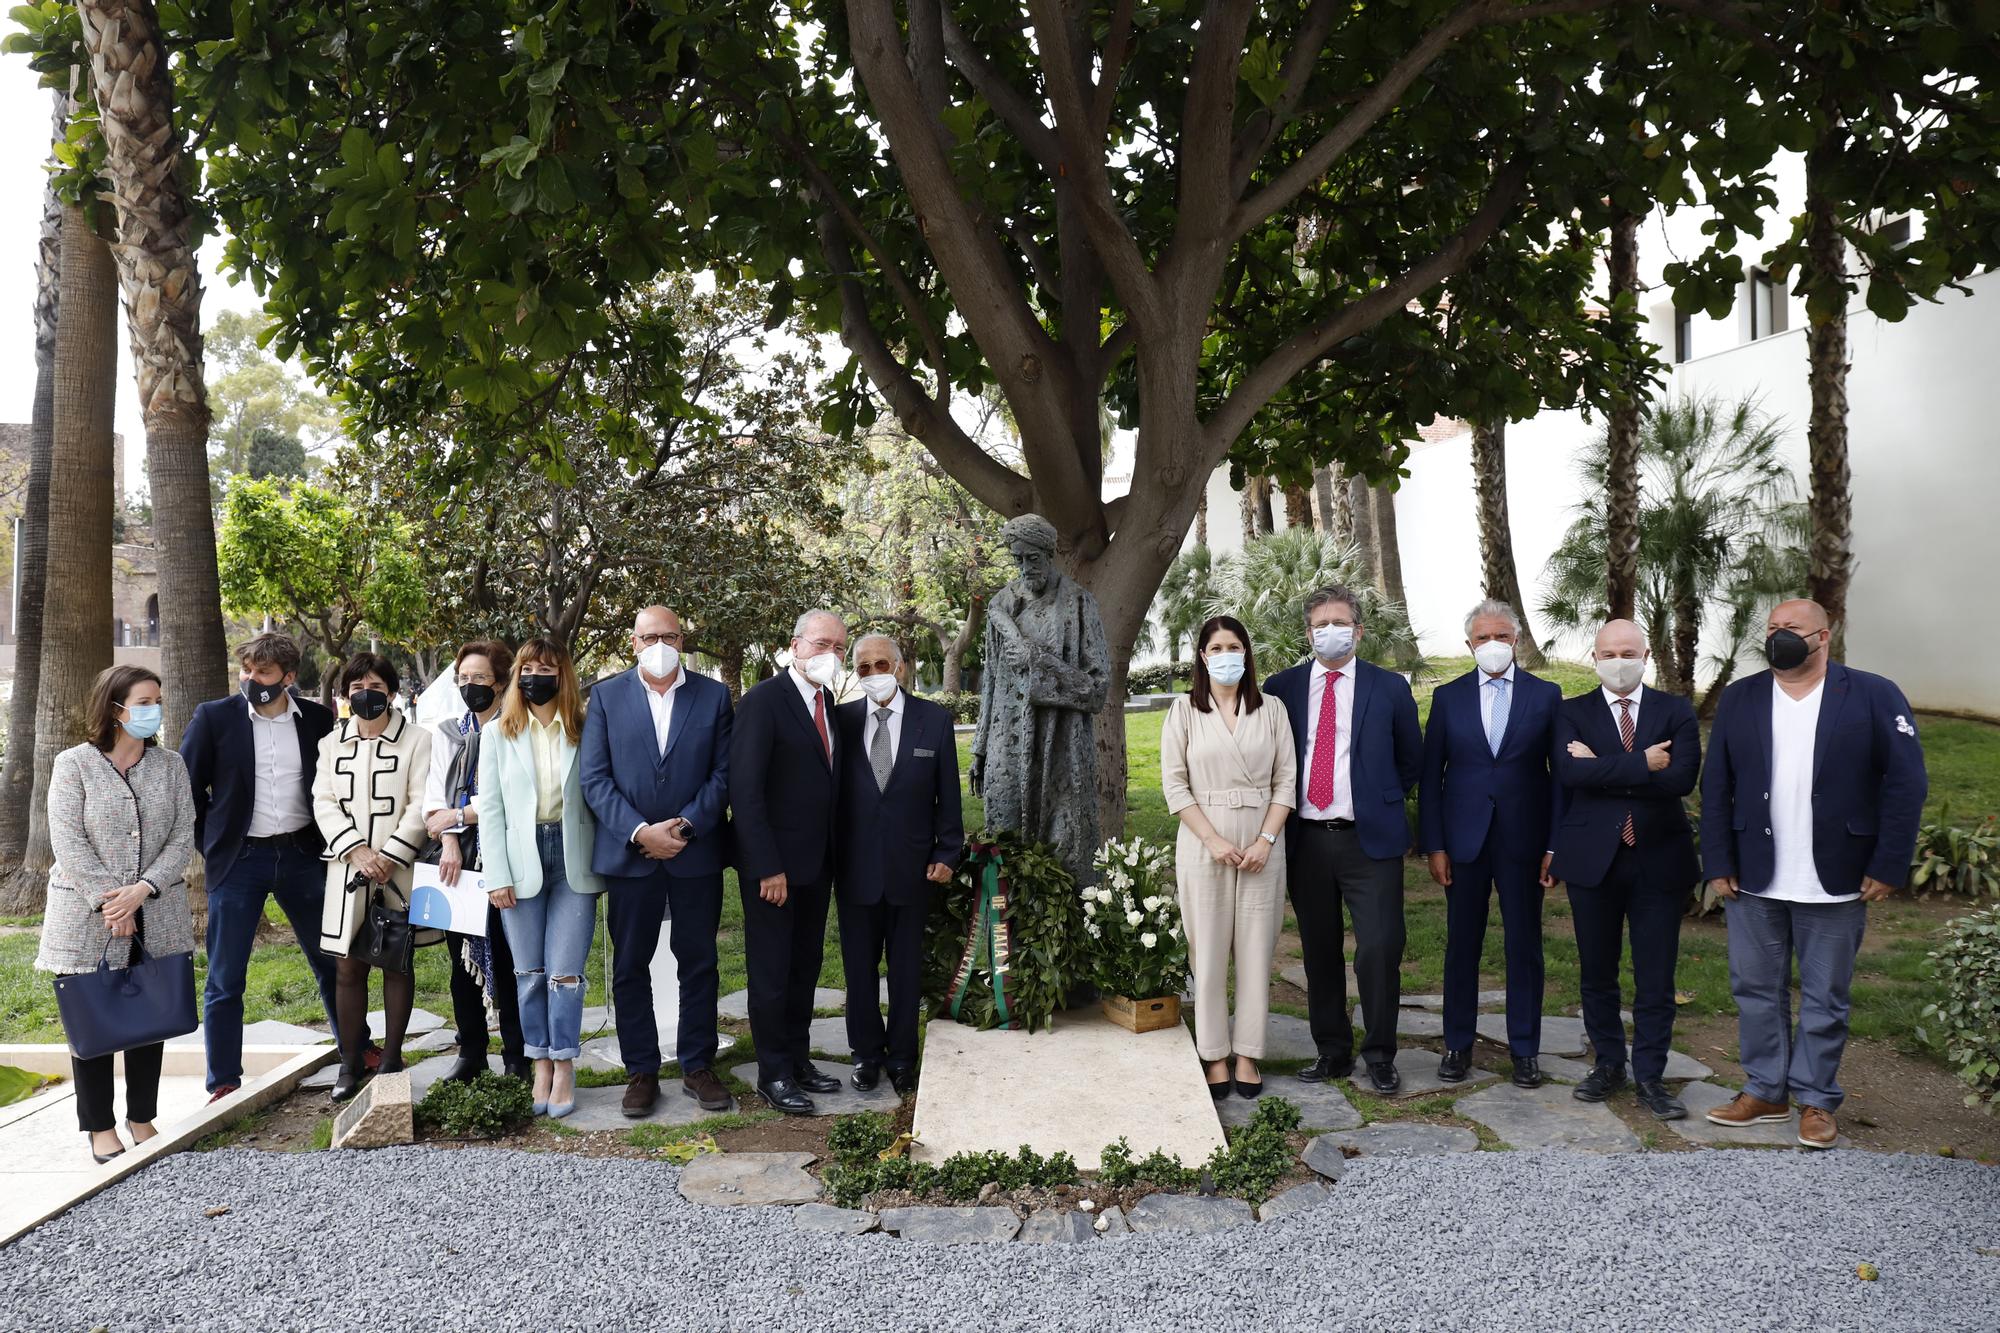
{"x": 468, "y": 997}
{"x": 1602, "y": 913}
{"x": 94, "y": 1109}
{"x": 867, "y": 932}
{"x": 783, "y": 948}
{"x": 1330, "y": 870}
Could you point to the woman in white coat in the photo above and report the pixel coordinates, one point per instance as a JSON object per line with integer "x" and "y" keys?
{"x": 1229, "y": 770}
{"x": 535, "y": 838}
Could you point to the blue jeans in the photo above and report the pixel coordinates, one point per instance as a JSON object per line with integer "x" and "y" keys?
{"x": 235, "y": 907}
{"x": 550, "y": 935}
{"x": 1780, "y": 1062}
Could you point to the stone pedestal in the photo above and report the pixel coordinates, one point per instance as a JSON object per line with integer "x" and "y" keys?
{"x": 380, "y": 1116}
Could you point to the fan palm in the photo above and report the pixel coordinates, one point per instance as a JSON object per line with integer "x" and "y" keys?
{"x": 1265, "y": 587}
{"x": 1183, "y": 598}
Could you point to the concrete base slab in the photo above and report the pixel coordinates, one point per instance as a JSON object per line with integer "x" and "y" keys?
{"x": 1701, "y": 1098}
{"x": 845, "y": 1102}
{"x": 1074, "y": 1088}
{"x": 829, "y": 1037}
{"x": 270, "y": 1032}
{"x": 1548, "y": 1117}
{"x": 443, "y": 1039}
{"x": 421, "y": 1021}
{"x": 1419, "y": 1069}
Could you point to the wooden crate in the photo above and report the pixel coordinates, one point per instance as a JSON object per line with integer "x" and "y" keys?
{"x": 1142, "y": 1015}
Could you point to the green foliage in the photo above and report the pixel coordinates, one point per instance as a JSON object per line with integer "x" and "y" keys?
{"x": 17, "y": 1085}
{"x": 1159, "y": 678}
{"x": 1954, "y": 860}
{"x": 321, "y": 1137}
{"x": 1259, "y": 1155}
{"x": 1966, "y": 1013}
{"x": 1184, "y": 596}
{"x": 1265, "y": 587}
{"x": 963, "y": 706}
{"x": 856, "y": 1140}
{"x": 276, "y": 454}
{"x": 1045, "y": 921}
{"x": 1134, "y": 942}
{"x": 485, "y": 1108}
{"x": 960, "y": 1177}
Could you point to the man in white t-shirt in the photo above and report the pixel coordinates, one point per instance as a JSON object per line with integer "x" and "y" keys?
{"x": 1810, "y": 805}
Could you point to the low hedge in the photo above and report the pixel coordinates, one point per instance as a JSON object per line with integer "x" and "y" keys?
{"x": 1964, "y": 1021}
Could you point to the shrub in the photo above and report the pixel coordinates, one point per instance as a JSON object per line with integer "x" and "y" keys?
{"x": 1159, "y": 678}
{"x": 485, "y": 1108}
{"x": 1967, "y": 1011}
{"x": 856, "y": 1140}
{"x": 1955, "y": 860}
{"x": 963, "y": 706}
{"x": 1135, "y": 943}
{"x": 1260, "y": 1155}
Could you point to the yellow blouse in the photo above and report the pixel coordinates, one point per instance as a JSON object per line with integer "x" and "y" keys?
{"x": 552, "y": 749}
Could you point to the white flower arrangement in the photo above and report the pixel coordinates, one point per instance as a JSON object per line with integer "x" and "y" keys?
{"x": 1137, "y": 947}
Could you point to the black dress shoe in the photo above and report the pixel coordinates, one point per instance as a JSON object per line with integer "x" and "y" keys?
{"x": 1527, "y": 1072}
{"x": 466, "y": 1068}
{"x": 1653, "y": 1095}
{"x": 812, "y": 1080}
{"x": 1601, "y": 1082}
{"x": 866, "y": 1076}
{"x": 1326, "y": 1069}
{"x": 521, "y": 1069}
{"x": 1455, "y": 1065}
{"x": 1382, "y": 1076}
{"x": 904, "y": 1081}
{"x": 783, "y": 1095}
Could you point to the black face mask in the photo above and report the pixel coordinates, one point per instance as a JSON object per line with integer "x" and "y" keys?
{"x": 540, "y": 689}
{"x": 1786, "y": 650}
{"x": 259, "y": 693}
{"x": 478, "y": 698}
{"x": 368, "y": 704}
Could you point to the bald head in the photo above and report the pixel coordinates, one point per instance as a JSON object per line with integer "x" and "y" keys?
{"x": 1620, "y": 638}
{"x": 1801, "y": 615}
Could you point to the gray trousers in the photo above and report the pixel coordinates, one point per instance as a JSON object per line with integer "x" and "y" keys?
{"x": 1329, "y": 870}
{"x": 1781, "y": 1062}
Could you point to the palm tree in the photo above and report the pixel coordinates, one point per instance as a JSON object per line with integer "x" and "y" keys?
{"x": 1496, "y": 533}
{"x": 1266, "y": 585}
{"x": 1361, "y": 531}
{"x": 162, "y": 284}
{"x": 1388, "y": 546}
{"x": 1715, "y": 509}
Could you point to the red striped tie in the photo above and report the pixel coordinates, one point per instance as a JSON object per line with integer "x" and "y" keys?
{"x": 1628, "y": 835}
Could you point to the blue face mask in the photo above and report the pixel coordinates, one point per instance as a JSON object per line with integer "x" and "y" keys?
{"x": 1226, "y": 668}
{"x": 142, "y": 721}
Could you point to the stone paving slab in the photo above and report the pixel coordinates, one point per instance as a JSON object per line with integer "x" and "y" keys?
{"x": 1323, "y": 1155}
{"x": 1289, "y": 1037}
{"x": 602, "y": 1053}
{"x": 1409, "y": 1022}
{"x": 1296, "y": 974}
{"x": 1483, "y": 999}
{"x": 736, "y": 1004}
{"x": 1701, "y": 1098}
{"x": 421, "y": 1021}
{"x": 1404, "y": 1138}
{"x": 442, "y": 1039}
{"x": 840, "y": 1221}
{"x": 1053, "y": 1228}
{"x": 1419, "y": 1069}
{"x": 1295, "y": 1200}
{"x": 1188, "y": 1213}
{"x": 1680, "y": 1065}
{"x": 953, "y": 1226}
{"x": 1561, "y": 1034}
{"x": 829, "y": 1036}
{"x": 1114, "y": 1222}
{"x": 598, "y": 1109}
{"x": 845, "y": 1102}
{"x": 1548, "y": 1117}
{"x": 744, "y": 1179}
{"x": 1322, "y": 1105}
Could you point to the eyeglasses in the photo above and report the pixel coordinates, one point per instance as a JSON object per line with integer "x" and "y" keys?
{"x": 825, "y": 645}
{"x": 648, "y": 640}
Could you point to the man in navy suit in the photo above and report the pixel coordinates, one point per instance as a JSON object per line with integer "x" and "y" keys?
{"x": 654, "y": 766}
{"x": 901, "y": 832}
{"x": 1626, "y": 756}
{"x": 1485, "y": 812}
{"x": 251, "y": 759}
{"x": 1360, "y": 751}
{"x": 1809, "y": 812}
{"x": 784, "y": 782}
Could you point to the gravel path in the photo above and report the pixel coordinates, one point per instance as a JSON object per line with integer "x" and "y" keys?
{"x": 1745, "y": 1240}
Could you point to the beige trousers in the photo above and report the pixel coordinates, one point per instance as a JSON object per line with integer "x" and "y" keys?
{"x": 1227, "y": 913}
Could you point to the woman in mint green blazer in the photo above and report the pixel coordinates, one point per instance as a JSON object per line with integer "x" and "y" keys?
{"x": 535, "y": 841}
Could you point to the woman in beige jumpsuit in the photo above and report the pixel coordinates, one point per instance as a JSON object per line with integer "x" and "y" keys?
{"x": 1229, "y": 769}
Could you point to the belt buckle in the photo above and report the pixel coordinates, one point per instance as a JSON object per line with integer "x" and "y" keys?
{"x": 1235, "y": 799}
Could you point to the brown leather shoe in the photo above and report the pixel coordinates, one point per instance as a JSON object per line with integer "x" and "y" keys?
{"x": 1743, "y": 1109}
{"x": 706, "y": 1088}
{"x": 640, "y": 1094}
{"x": 1816, "y": 1128}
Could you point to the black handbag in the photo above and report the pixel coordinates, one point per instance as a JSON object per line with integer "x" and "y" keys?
{"x": 150, "y": 999}
{"x": 384, "y": 939}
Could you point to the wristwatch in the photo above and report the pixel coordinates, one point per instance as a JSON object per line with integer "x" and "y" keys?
{"x": 1271, "y": 838}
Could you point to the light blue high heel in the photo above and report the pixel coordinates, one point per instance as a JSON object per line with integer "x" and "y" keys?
{"x": 539, "y": 1108}
{"x": 558, "y": 1111}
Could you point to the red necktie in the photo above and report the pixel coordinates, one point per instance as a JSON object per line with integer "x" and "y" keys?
{"x": 1319, "y": 777}
{"x": 826, "y": 743}
{"x": 1628, "y": 835}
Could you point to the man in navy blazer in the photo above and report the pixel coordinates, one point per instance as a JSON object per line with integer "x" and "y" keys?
{"x": 654, "y": 766}
{"x": 1360, "y": 751}
{"x": 1626, "y": 755}
{"x": 1809, "y": 811}
{"x": 251, "y": 759}
{"x": 784, "y": 783}
{"x": 901, "y": 830}
{"x": 1485, "y": 814}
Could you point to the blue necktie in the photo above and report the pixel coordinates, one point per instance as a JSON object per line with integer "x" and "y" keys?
{"x": 1497, "y": 728}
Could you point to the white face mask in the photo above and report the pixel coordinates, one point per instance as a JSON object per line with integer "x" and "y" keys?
{"x": 881, "y": 687}
{"x": 660, "y": 660}
{"x": 1493, "y": 656}
{"x": 1331, "y": 643}
{"x": 1226, "y": 668}
{"x": 822, "y": 670}
{"x": 1621, "y": 675}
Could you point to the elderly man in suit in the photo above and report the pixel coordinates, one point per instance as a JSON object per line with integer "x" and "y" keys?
{"x": 251, "y": 760}
{"x": 1487, "y": 802}
{"x": 1809, "y": 811}
{"x": 1626, "y": 755}
{"x": 654, "y": 765}
{"x": 901, "y": 832}
{"x": 1360, "y": 751}
{"x": 784, "y": 782}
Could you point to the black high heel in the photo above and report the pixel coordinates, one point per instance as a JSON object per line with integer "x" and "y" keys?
{"x": 1250, "y": 1091}
{"x": 1217, "y": 1091}
{"x": 102, "y": 1158}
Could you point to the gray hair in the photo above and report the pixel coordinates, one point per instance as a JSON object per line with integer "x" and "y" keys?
{"x": 854, "y": 651}
{"x": 1333, "y": 592}
{"x": 1030, "y": 530}
{"x": 805, "y": 620}
{"x": 1492, "y": 606}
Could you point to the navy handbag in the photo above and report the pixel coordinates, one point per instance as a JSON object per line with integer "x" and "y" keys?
{"x": 112, "y": 1009}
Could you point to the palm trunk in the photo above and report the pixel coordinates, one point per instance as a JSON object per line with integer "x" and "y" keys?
{"x": 1298, "y": 507}
{"x": 1247, "y": 502}
{"x": 1361, "y": 526}
{"x": 1388, "y": 551}
{"x": 76, "y": 642}
{"x": 1267, "y": 522}
{"x": 1496, "y": 531}
{"x": 162, "y": 287}
{"x": 1687, "y": 635}
{"x": 1201, "y": 520}
{"x": 1830, "y": 502}
{"x": 17, "y": 780}
{"x": 1666, "y": 662}
{"x": 1323, "y": 498}
{"x": 1621, "y": 481}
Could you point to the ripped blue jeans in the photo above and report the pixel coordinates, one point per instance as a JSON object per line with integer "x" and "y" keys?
{"x": 550, "y": 935}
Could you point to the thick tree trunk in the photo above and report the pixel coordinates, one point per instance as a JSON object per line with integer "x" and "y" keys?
{"x": 1361, "y": 528}
{"x": 1496, "y": 532}
{"x": 1388, "y": 550}
{"x": 162, "y": 286}
{"x": 954, "y": 652}
{"x": 1830, "y": 502}
{"x": 1298, "y": 507}
{"x": 1323, "y": 490}
{"x": 17, "y": 780}
{"x": 1621, "y": 482}
{"x": 76, "y": 626}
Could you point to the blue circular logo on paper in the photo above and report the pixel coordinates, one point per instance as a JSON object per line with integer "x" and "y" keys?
{"x": 429, "y": 907}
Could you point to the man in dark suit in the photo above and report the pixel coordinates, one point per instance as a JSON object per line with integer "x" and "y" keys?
{"x": 251, "y": 759}
{"x": 1626, "y": 755}
{"x": 784, "y": 782}
{"x": 654, "y": 766}
{"x": 901, "y": 832}
{"x": 1809, "y": 812}
{"x": 1484, "y": 813}
{"x": 1360, "y": 752}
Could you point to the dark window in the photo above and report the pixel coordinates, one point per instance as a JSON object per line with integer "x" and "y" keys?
{"x": 1767, "y": 305}
{"x": 1896, "y": 233}
{"x": 1683, "y": 335}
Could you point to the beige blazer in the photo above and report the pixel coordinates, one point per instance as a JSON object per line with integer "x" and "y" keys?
{"x": 370, "y": 790}
{"x": 1233, "y": 775}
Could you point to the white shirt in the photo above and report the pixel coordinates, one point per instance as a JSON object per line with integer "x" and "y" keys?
{"x": 278, "y": 800}
{"x": 872, "y": 724}
{"x": 1343, "y": 708}
{"x": 1613, "y": 701}
{"x": 661, "y": 702}
{"x": 809, "y": 692}
{"x": 1488, "y": 693}
{"x": 1794, "y": 736}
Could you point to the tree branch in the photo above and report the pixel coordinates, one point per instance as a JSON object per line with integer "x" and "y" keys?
{"x": 1262, "y": 127}
{"x": 1117, "y": 46}
{"x": 1015, "y": 111}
